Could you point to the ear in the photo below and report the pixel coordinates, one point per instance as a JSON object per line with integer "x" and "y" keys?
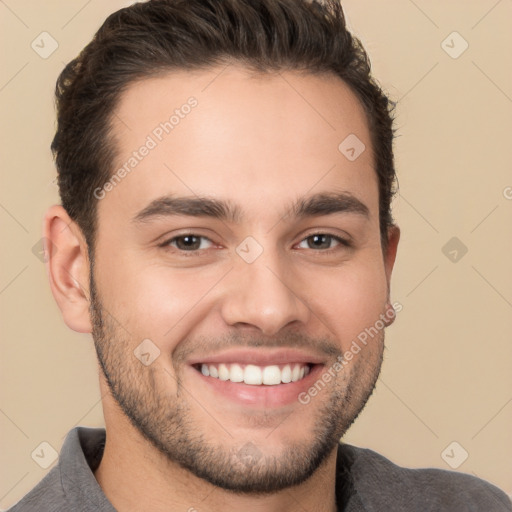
{"x": 67, "y": 265}
{"x": 390, "y": 254}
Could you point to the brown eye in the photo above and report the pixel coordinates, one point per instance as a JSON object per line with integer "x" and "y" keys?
{"x": 189, "y": 242}
{"x": 322, "y": 241}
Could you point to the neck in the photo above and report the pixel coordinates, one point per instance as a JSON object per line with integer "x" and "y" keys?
{"x": 133, "y": 472}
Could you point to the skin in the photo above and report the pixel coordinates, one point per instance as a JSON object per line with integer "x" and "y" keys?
{"x": 260, "y": 141}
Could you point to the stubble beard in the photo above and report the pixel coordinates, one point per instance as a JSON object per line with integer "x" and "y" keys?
{"x": 167, "y": 421}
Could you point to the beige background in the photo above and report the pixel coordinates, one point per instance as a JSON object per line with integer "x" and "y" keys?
{"x": 447, "y": 372}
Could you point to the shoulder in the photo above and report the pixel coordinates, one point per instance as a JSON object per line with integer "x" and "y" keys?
{"x": 71, "y": 484}
{"x": 379, "y": 481}
{"x": 46, "y": 495}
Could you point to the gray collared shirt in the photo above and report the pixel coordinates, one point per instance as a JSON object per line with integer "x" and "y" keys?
{"x": 365, "y": 482}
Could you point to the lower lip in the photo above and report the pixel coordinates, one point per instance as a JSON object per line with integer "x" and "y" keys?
{"x": 262, "y": 396}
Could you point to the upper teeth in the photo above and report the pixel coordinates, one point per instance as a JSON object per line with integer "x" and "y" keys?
{"x": 256, "y": 375}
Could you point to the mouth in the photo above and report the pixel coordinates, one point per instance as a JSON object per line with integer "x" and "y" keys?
{"x": 255, "y": 378}
{"x": 254, "y": 375}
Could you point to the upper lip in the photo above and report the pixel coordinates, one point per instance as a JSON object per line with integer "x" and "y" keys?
{"x": 258, "y": 357}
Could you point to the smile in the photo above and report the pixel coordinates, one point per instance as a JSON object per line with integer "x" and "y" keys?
{"x": 251, "y": 374}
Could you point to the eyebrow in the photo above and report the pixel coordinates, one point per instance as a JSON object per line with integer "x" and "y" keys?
{"x": 196, "y": 206}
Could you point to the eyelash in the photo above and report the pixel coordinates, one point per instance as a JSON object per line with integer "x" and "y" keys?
{"x": 197, "y": 252}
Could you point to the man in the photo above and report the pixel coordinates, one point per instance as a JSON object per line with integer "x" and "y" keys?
{"x": 226, "y": 172}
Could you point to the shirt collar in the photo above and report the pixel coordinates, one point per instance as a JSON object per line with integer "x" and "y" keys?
{"x": 83, "y": 448}
{"x": 79, "y": 457}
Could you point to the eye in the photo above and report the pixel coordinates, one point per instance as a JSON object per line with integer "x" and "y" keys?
{"x": 322, "y": 241}
{"x": 189, "y": 242}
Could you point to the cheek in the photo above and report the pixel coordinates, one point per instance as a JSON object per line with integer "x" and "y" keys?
{"x": 164, "y": 304}
{"x": 156, "y": 302}
{"x": 350, "y": 301}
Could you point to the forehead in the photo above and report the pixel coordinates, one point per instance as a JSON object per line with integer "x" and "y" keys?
{"x": 228, "y": 132}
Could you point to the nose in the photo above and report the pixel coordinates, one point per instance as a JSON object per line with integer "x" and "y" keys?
{"x": 262, "y": 295}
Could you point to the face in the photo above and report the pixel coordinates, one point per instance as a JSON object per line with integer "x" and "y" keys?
{"x": 237, "y": 259}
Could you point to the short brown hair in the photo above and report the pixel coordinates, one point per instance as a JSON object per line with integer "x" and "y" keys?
{"x": 155, "y": 37}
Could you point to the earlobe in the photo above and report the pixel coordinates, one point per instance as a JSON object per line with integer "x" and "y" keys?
{"x": 67, "y": 266}
{"x": 390, "y": 256}
{"x": 389, "y": 315}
